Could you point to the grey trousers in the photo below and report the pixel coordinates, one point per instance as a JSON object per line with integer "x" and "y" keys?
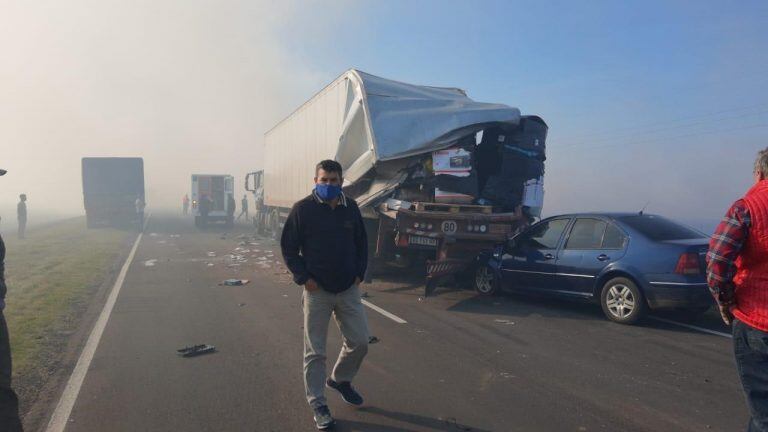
{"x": 349, "y": 313}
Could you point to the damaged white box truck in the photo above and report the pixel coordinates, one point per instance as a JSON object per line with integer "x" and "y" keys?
{"x": 436, "y": 174}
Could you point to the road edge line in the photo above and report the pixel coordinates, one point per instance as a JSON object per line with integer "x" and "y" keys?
{"x": 60, "y": 416}
{"x": 389, "y": 315}
{"x": 693, "y": 327}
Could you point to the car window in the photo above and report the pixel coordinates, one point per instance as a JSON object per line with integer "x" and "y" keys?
{"x": 659, "y": 229}
{"x": 613, "y": 238}
{"x": 545, "y": 235}
{"x": 586, "y": 234}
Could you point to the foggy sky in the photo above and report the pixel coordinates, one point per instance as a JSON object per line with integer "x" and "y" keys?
{"x": 190, "y": 86}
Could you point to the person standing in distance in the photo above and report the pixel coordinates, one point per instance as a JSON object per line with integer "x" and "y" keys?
{"x": 324, "y": 245}
{"x": 21, "y": 215}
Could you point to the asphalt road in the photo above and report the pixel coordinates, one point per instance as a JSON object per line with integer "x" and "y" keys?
{"x": 460, "y": 362}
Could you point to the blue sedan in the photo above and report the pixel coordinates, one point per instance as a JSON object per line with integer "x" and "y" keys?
{"x": 628, "y": 262}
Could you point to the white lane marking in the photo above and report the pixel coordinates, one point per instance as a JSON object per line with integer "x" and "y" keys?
{"x": 63, "y": 410}
{"x": 389, "y": 315}
{"x": 693, "y": 327}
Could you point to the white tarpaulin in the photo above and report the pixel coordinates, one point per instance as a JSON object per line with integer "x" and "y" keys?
{"x": 397, "y": 120}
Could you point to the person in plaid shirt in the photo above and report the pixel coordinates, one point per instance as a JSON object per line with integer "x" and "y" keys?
{"x": 737, "y": 276}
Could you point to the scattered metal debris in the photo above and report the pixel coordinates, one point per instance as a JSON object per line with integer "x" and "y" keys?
{"x": 235, "y": 282}
{"x": 196, "y": 350}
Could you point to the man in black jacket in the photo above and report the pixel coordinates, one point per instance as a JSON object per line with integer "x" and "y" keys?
{"x": 324, "y": 245}
{"x": 9, "y": 403}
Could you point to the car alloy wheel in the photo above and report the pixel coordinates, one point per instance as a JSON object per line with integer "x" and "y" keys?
{"x": 620, "y": 301}
{"x": 484, "y": 281}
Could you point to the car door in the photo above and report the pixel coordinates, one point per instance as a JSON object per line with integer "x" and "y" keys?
{"x": 590, "y": 246}
{"x": 529, "y": 263}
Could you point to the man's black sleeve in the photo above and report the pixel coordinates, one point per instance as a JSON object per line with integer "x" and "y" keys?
{"x": 290, "y": 245}
{"x": 361, "y": 244}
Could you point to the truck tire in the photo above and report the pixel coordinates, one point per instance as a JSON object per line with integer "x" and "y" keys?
{"x": 274, "y": 225}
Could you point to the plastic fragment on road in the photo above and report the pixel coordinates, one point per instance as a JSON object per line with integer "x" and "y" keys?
{"x": 153, "y": 234}
{"x": 503, "y": 321}
{"x": 210, "y": 264}
{"x": 211, "y": 254}
{"x": 196, "y": 350}
{"x": 150, "y": 263}
{"x": 373, "y": 339}
{"x": 235, "y": 282}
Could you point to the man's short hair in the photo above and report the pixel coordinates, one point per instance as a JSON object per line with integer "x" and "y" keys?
{"x": 329, "y": 166}
{"x": 761, "y": 163}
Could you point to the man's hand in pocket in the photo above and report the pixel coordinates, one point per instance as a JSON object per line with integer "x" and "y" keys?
{"x": 311, "y": 285}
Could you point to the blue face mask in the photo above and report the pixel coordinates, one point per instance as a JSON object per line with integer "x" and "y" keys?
{"x": 327, "y": 192}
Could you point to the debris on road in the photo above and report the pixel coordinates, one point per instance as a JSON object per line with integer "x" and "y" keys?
{"x": 235, "y": 282}
{"x": 507, "y": 375}
{"x": 150, "y": 263}
{"x": 175, "y": 235}
{"x": 373, "y": 340}
{"x": 210, "y": 264}
{"x": 153, "y": 234}
{"x": 211, "y": 254}
{"x": 196, "y": 350}
{"x": 241, "y": 304}
{"x": 365, "y": 294}
{"x": 503, "y": 321}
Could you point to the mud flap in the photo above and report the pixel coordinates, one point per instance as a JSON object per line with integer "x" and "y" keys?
{"x": 439, "y": 270}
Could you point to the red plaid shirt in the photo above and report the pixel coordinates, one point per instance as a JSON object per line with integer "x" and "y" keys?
{"x": 724, "y": 248}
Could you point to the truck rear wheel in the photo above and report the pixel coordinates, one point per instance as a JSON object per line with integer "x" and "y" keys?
{"x": 274, "y": 225}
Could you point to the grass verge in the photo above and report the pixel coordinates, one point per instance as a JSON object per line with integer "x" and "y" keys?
{"x": 51, "y": 277}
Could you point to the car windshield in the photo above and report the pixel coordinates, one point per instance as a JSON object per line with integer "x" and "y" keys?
{"x": 660, "y": 229}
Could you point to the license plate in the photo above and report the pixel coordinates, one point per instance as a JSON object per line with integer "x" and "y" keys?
{"x": 423, "y": 241}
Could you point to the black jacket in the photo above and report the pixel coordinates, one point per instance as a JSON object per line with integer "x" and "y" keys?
{"x": 325, "y": 244}
{"x": 2, "y": 270}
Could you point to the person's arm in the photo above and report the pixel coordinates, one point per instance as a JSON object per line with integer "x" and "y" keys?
{"x": 361, "y": 244}
{"x": 290, "y": 245}
{"x": 724, "y": 248}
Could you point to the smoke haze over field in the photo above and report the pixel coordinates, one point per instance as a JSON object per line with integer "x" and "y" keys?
{"x": 643, "y": 106}
{"x": 189, "y": 86}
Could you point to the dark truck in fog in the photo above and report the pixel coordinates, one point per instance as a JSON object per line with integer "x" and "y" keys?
{"x": 111, "y": 186}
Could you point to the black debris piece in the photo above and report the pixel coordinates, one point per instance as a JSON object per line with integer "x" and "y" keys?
{"x": 373, "y": 339}
{"x": 196, "y": 350}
